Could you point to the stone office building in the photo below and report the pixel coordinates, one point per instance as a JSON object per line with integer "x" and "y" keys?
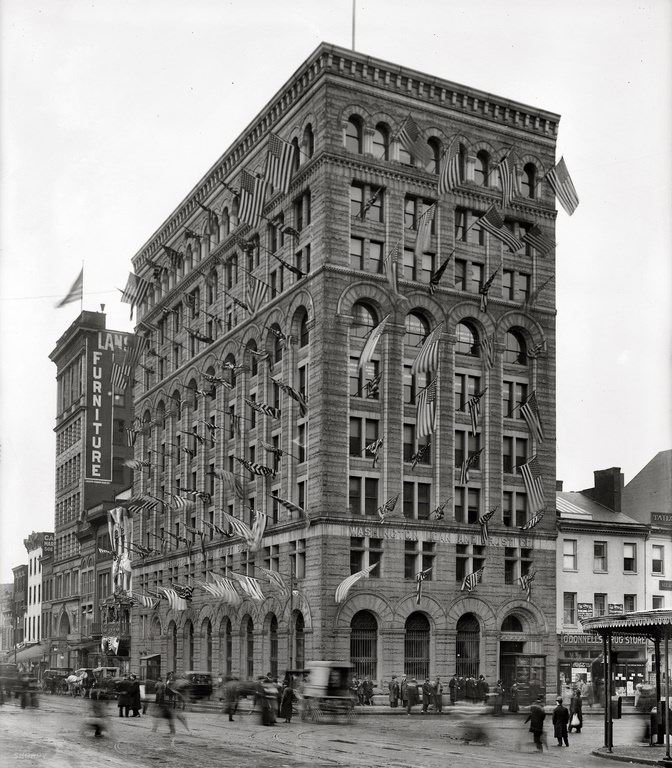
{"x": 286, "y": 336}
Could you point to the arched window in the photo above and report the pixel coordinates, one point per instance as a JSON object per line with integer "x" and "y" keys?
{"x": 381, "y": 142}
{"x": 512, "y": 624}
{"x": 364, "y": 320}
{"x": 482, "y": 169}
{"x": 172, "y": 648}
{"x": 299, "y": 641}
{"x": 189, "y": 645}
{"x": 206, "y": 646}
{"x": 529, "y": 181}
{"x": 248, "y": 644}
{"x": 232, "y": 271}
{"x": 416, "y": 646}
{"x": 226, "y": 646}
{"x": 189, "y": 260}
{"x": 353, "y": 135}
{"x": 364, "y": 644}
{"x": 229, "y": 373}
{"x": 516, "y": 348}
{"x": 304, "y": 333}
{"x": 467, "y": 646}
{"x": 212, "y": 287}
{"x": 176, "y": 397}
{"x": 434, "y": 164}
{"x": 273, "y": 646}
{"x": 417, "y": 329}
{"x": 296, "y": 155}
{"x": 467, "y": 340}
{"x": 276, "y": 333}
{"x": 254, "y": 361}
{"x": 308, "y": 141}
{"x": 226, "y": 223}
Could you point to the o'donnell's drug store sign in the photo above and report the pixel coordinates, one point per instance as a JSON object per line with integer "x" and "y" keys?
{"x": 100, "y": 351}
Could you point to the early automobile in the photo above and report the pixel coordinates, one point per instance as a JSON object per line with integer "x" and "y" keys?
{"x": 326, "y": 691}
{"x": 189, "y": 686}
{"x": 104, "y": 682}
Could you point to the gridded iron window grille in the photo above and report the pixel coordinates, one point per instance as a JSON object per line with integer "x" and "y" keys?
{"x": 299, "y": 642}
{"x": 228, "y": 648}
{"x": 249, "y": 648}
{"x": 273, "y": 661}
{"x": 416, "y": 647}
{"x": 467, "y": 646}
{"x": 364, "y": 645}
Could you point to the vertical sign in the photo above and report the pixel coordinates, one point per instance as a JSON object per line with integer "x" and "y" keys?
{"x": 99, "y": 402}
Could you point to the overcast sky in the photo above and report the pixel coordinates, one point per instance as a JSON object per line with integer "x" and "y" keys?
{"x": 112, "y": 110}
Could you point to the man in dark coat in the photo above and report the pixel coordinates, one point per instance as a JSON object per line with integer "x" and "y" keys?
{"x": 453, "y": 688}
{"x": 482, "y": 689}
{"x": 134, "y": 692}
{"x": 230, "y": 697}
{"x": 560, "y": 720}
{"x": 426, "y": 694}
{"x": 124, "y": 696}
{"x": 411, "y": 695}
{"x": 576, "y": 708}
{"x": 536, "y": 720}
{"x": 394, "y": 691}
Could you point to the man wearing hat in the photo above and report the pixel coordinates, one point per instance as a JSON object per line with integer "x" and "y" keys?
{"x": 394, "y": 691}
{"x": 560, "y": 721}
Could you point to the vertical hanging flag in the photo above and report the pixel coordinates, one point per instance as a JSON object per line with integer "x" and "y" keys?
{"x": 425, "y": 410}
{"x": 135, "y": 290}
{"x": 373, "y": 449}
{"x": 279, "y": 163}
{"x": 525, "y": 580}
{"x": 563, "y": 186}
{"x": 449, "y": 176}
{"x": 467, "y": 464}
{"x": 391, "y": 267}
{"x": 493, "y": 223}
{"x": 485, "y": 289}
{"x": 75, "y": 293}
{"x": 472, "y": 579}
{"x": 530, "y": 412}
{"x": 410, "y": 138}
{"x": 435, "y": 278}
{"x": 296, "y": 396}
{"x": 474, "y": 408}
{"x": 252, "y": 194}
{"x": 488, "y": 349}
{"x": 428, "y": 357}
{"x": 508, "y": 177}
{"x": 419, "y": 578}
{"x": 256, "y": 293}
{"x": 372, "y": 342}
{"x": 534, "y": 484}
{"x": 424, "y": 230}
{"x": 483, "y": 522}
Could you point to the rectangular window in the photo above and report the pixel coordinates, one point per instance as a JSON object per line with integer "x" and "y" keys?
{"x": 363, "y": 381}
{"x": 467, "y": 504}
{"x": 357, "y": 253}
{"x": 657, "y": 602}
{"x": 569, "y": 608}
{"x": 417, "y": 500}
{"x": 630, "y": 558}
{"x": 599, "y": 604}
{"x": 409, "y": 264}
{"x": 466, "y": 387}
{"x": 657, "y": 559}
{"x": 600, "y": 556}
{"x": 514, "y": 395}
{"x": 514, "y": 509}
{"x": 629, "y": 603}
{"x": 569, "y": 554}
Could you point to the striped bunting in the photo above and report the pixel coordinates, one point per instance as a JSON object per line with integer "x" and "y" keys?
{"x": 344, "y": 587}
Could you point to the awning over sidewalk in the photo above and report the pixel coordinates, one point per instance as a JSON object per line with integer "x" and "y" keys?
{"x": 30, "y": 653}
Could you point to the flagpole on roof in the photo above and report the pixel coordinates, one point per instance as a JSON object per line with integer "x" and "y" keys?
{"x": 353, "y": 25}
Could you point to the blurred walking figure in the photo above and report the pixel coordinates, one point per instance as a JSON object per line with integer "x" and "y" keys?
{"x": 403, "y": 691}
{"x": 412, "y": 694}
{"x": 134, "y": 692}
{"x": 230, "y": 697}
{"x": 426, "y": 695}
{"x": 498, "y": 699}
{"x": 287, "y": 703}
{"x": 536, "y": 720}
{"x": 124, "y": 696}
{"x": 98, "y": 714}
{"x": 560, "y": 720}
{"x": 576, "y": 712}
{"x": 513, "y": 698}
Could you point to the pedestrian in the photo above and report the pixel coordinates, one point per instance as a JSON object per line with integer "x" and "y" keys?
{"x": 394, "y": 692}
{"x": 367, "y": 691}
{"x": 513, "y": 698}
{"x": 482, "y": 689}
{"x": 576, "y": 712}
{"x": 470, "y": 690}
{"x": 412, "y": 694}
{"x": 134, "y": 693}
{"x": 536, "y": 720}
{"x": 403, "y": 690}
{"x": 287, "y": 702}
{"x": 230, "y": 697}
{"x": 124, "y": 696}
{"x": 437, "y": 695}
{"x": 560, "y": 720}
{"x": 426, "y": 695}
{"x": 453, "y": 687}
{"x": 161, "y": 709}
{"x": 97, "y": 717}
{"x": 499, "y": 699}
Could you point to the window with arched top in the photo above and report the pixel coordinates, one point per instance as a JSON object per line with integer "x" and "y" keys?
{"x": 417, "y": 328}
{"x": 512, "y": 624}
{"x": 212, "y": 287}
{"x": 189, "y": 645}
{"x": 466, "y": 342}
{"x": 468, "y": 646}
{"x": 229, "y": 370}
{"x": 434, "y": 164}
{"x": 254, "y": 361}
{"x": 226, "y": 223}
{"x": 248, "y": 645}
{"x": 364, "y": 645}
{"x": 515, "y": 351}
{"x": 482, "y": 169}
{"x": 296, "y": 155}
{"x": 364, "y": 320}
{"x": 528, "y": 182}
{"x": 177, "y": 404}
{"x": 273, "y": 646}
{"x": 304, "y": 332}
{"x": 416, "y": 646}
{"x": 277, "y": 342}
{"x": 308, "y": 142}
{"x": 226, "y": 646}
{"x": 353, "y": 135}
{"x": 381, "y": 142}
{"x": 171, "y": 665}
{"x": 206, "y": 648}
{"x": 299, "y": 660}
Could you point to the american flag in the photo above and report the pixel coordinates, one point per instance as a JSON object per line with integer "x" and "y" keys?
{"x": 135, "y": 290}
{"x": 532, "y": 522}
{"x": 483, "y": 521}
{"x": 373, "y": 386}
{"x": 390, "y": 267}
{"x": 438, "y": 513}
{"x": 279, "y": 163}
{"x": 180, "y": 504}
{"x": 435, "y": 278}
{"x": 485, "y": 289}
{"x": 419, "y": 578}
{"x": 250, "y": 586}
{"x": 411, "y": 140}
{"x": 474, "y": 408}
{"x": 530, "y": 412}
{"x": 493, "y": 223}
{"x": 131, "y": 435}
{"x": 252, "y": 193}
{"x": 176, "y": 602}
{"x": 534, "y": 484}
{"x": 472, "y": 579}
{"x": 373, "y": 449}
{"x": 231, "y": 482}
{"x": 467, "y": 464}
{"x": 488, "y": 349}
{"x": 218, "y": 530}
{"x": 276, "y": 580}
{"x": 449, "y": 177}
{"x": 137, "y": 465}
{"x": 120, "y": 376}
{"x": 254, "y": 468}
{"x": 256, "y": 293}
{"x": 563, "y": 186}
{"x": 424, "y": 231}
{"x": 290, "y": 506}
{"x": 372, "y": 342}
{"x": 288, "y": 266}
{"x": 222, "y": 588}
{"x": 509, "y": 178}
{"x": 369, "y": 203}
{"x": 428, "y": 356}
{"x": 344, "y": 587}
{"x": 538, "y": 240}
{"x": 76, "y": 291}
{"x": 425, "y": 410}
{"x": 269, "y": 410}
{"x": 387, "y": 508}
{"x": 184, "y": 591}
{"x": 419, "y": 455}
{"x": 525, "y": 581}
{"x": 297, "y": 396}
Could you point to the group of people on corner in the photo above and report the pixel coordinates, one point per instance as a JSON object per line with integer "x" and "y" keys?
{"x": 128, "y": 699}
{"x": 408, "y": 692}
{"x": 274, "y": 700}
{"x": 564, "y": 719}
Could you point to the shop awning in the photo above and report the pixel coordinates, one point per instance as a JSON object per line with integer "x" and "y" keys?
{"x": 150, "y": 656}
{"x": 32, "y": 652}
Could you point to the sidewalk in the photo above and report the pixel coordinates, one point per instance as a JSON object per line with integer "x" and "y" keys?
{"x": 634, "y": 753}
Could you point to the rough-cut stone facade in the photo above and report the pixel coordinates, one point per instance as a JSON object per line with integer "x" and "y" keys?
{"x": 337, "y": 93}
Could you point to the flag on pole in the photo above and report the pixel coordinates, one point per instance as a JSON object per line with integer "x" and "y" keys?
{"x": 75, "y": 293}
{"x": 256, "y": 293}
{"x": 411, "y": 140}
{"x": 493, "y": 223}
{"x": 488, "y": 349}
{"x": 483, "y": 522}
{"x": 530, "y": 412}
{"x": 485, "y": 289}
{"x": 525, "y": 580}
{"x": 474, "y": 408}
{"x": 252, "y": 193}
{"x": 391, "y": 267}
{"x": 344, "y": 587}
{"x": 231, "y": 482}
{"x": 269, "y": 410}
{"x": 372, "y": 342}
{"x": 135, "y": 290}
{"x": 276, "y": 580}
{"x": 424, "y": 230}
{"x": 435, "y": 278}
{"x": 250, "y": 586}
{"x": 419, "y": 578}
{"x": 563, "y": 186}
{"x": 449, "y": 176}
{"x": 467, "y": 464}
{"x": 419, "y": 455}
{"x": 428, "y": 356}
{"x": 532, "y": 522}
{"x": 509, "y": 178}
{"x": 387, "y": 508}
{"x": 297, "y": 396}
{"x": 175, "y": 602}
{"x": 534, "y": 484}
{"x": 538, "y": 240}
{"x": 373, "y": 449}
{"x": 472, "y": 579}
{"x": 255, "y": 468}
{"x": 217, "y": 529}
{"x": 438, "y": 513}
{"x": 425, "y": 410}
{"x": 279, "y": 163}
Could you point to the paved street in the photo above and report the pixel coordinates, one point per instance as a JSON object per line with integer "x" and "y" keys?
{"x": 52, "y": 736}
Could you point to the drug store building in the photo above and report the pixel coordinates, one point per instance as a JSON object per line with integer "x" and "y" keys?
{"x": 319, "y": 311}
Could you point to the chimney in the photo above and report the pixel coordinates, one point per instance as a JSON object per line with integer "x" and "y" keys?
{"x": 608, "y": 487}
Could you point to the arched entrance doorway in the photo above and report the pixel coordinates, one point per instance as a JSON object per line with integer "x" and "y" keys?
{"x": 468, "y": 646}
{"x": 416, "y": 646}
{"x": 364, "y": 644}
{"x": 516, "y": 664}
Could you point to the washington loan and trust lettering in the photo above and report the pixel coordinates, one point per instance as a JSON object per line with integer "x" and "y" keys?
{"x": 99, "y": 404}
